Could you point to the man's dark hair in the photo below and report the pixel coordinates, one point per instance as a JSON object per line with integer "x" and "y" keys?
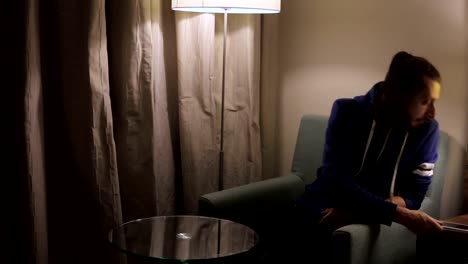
{"x": 407, "y": 76}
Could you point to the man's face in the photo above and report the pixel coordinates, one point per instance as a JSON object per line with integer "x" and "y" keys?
{"x": 421, "y": 107}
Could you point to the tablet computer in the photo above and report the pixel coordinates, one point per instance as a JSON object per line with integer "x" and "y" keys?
{"x": 450, "y": 226}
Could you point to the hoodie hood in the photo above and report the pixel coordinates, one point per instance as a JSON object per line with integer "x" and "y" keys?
{"x": 366, "y": 101}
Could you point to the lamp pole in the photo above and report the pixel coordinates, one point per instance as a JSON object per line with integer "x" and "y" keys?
{"x": 221, "y": 143}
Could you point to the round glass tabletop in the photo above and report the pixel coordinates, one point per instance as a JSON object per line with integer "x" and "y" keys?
{"x": 183, "y": 237}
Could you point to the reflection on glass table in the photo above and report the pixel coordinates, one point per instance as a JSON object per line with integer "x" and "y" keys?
{"x": 183, "y": 238}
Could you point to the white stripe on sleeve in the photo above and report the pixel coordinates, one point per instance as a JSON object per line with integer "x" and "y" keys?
{"x": 425, "y": 169}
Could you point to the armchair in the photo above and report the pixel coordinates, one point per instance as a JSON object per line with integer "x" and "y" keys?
{"x": 257, "y": 203}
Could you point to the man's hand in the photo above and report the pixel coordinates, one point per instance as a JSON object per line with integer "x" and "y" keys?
{"x": 418, "y": 222}
{"x": 398, "y": 200}
{"x": 334, "y": 218}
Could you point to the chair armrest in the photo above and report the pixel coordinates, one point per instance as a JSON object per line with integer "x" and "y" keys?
{"x": 374, "y": 244}
{"x": 352, "y": 243}
{"x": 254, "y": 198}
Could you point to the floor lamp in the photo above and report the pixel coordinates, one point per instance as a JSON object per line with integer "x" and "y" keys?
{"x": 225, "y": 7}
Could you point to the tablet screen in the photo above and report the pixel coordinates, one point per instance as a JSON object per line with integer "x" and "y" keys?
{"x": 449, "y": 226}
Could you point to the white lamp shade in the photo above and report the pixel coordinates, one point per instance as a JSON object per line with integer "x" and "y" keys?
{"x": 231, "y": 6}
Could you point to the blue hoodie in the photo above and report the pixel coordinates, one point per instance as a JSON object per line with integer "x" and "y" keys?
{"x": 365, "y": 163}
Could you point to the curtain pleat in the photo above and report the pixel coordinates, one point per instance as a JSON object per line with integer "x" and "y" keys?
{"x": 163, "y": 80}
{"x": 198, "y": 115}
{"x": 243, "y": 159}
{"x": 103, "y": 151}
{"x": 83, "y": 193}
{"x": 144, "y": 107}
{"x": 34, "y": 136}
{"x": 269, "y": 99}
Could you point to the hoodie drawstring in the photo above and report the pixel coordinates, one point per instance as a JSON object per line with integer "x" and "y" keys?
{"x": 384, "y": 144}
{"x": 395, "y": 170}
{"x": 369, "y": 139}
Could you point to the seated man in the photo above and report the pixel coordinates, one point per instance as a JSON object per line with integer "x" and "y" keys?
{"x": 379, "y": 155}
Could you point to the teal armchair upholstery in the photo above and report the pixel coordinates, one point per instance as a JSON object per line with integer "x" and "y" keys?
{"x": 257, "y": 203}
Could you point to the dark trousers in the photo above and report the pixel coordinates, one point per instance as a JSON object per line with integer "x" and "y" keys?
{"x": 446, "y": 247}
{"x": 295, "y": 236}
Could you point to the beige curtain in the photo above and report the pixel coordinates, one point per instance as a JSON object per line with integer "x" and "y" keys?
{"x": 34, "y": 136}
{"x": 199, "y": 50}
{"x": 144, "y": 83}
{"x": 118, "y": 117}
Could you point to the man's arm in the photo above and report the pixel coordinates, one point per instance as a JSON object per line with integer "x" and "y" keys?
{"x": 417, "y": 221}
{"x": 414, "y": 189}
{"x": 398, "y": 200}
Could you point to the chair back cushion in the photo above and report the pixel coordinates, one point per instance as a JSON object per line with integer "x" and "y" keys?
{"x": 309, "y": 147}
{"x": 431, "y": 203}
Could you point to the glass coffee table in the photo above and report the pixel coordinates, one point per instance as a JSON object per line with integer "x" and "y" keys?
{"x": 185, "y": 238}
